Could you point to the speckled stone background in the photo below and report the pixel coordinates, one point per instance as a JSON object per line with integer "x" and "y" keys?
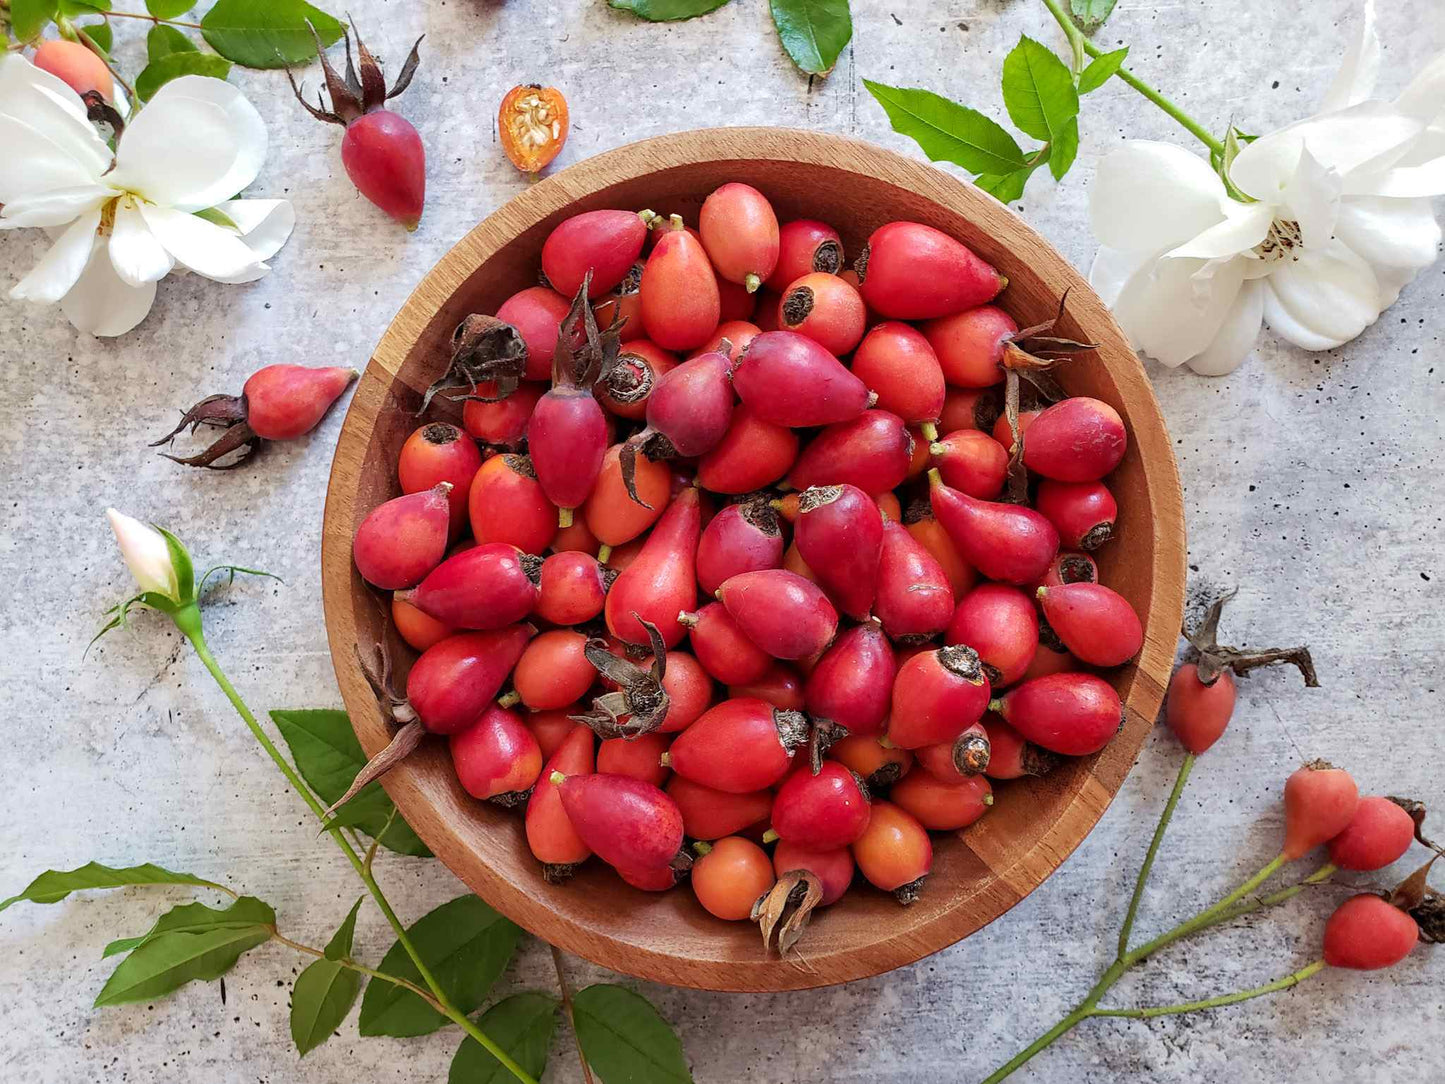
{"x": 1311, "y": 483}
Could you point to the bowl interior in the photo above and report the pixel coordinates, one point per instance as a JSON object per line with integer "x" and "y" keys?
{"x": 978, "y": 873}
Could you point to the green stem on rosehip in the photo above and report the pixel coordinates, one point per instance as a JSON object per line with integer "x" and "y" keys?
{"x": 1293, "y": 979}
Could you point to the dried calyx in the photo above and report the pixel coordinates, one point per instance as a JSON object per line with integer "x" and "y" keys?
{"x": 1424, "y": 904}
{"x": 971, "y": 752}
{"x": 484, "y": 350}
{"x": 352, "y": 97}
{"x": 1029, "y": 354}
{"x": 823, "y": 734}
{"x": 1214, "y": 658}
{"x": 787, "y": 907}
{"x": 580, "y": 360}
{"x": 227, "y": 412}
{"x": 407, "y": 738}
{"x": 962, "y": 661}
{"x": 640, "y": 703}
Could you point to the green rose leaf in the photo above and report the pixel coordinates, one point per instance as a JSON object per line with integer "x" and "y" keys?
{"x": 1101, "y": 69}
{"x": 100, "y": 34}
{"x": 1089, "y": 15}
{"x": 165, "y": 40}
{"x": 813, "y": 32}
{"x": 947, "y": 131}
{"x": 29, "y": 17}
{"x": 324, "y": 993}
{"x": 320, "y": 999}
{"x": 1006, "y": 187}
{"x": 204, "y": 944}
{"x": 624, "y": 1038}
{"x": 53, "y": 885}
{"x": 193, "y": 918}
{"x": 328, "y": 756}
{"x": 1064, "y": 149}
{"x": 1038, "y": 90}
{"x": 522, "y": 1025}
{"x": 465, "y": 944}
{"x": 162, "y": 70}
{"x": 266, "y": 33}
{"x": 340, "y": 943}
{"x": 71, "y": 8}
{"x": 170, "y": 9}
{"x": 666, "y": 11}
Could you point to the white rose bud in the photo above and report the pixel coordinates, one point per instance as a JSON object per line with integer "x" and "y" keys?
{"x": 146, "y": 555}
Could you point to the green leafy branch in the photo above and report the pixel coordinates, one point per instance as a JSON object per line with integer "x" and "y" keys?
{"x": 439, "y": 971}
{"x": 1041, "y": 94}
{"x": 813, "y": 32}
{"x": 251, "y": 33}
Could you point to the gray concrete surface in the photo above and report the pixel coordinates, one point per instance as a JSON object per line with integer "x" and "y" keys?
{"x": 1311, "y": 481}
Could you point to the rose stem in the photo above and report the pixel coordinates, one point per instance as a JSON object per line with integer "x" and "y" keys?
{"x": 188, "y": 620}
{"x": 1217, "y": 1002}
{"x": 567, "y": 1006}
{"x": 1078, "y": 41}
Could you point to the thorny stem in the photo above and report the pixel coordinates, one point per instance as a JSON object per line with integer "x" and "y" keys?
{"x": 1217, "y": 1002}
{"x": 567, "y": 1007}
{"x": 188, "y": 620}
{"x": 1148, "y": 866}
{"x": 1077, "y": 40}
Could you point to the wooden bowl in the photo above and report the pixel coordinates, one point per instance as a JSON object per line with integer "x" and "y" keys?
{"x": 979, "y": 873}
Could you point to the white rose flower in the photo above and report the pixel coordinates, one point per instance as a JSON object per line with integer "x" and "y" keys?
{"x": 1340, "y": 220}
{"x": 123, "y": 221}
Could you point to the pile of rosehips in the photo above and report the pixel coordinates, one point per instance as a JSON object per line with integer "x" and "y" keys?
{"x": 685, "y": 490}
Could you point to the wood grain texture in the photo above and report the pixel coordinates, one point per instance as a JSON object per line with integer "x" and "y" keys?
{"x": 978, "y": 874}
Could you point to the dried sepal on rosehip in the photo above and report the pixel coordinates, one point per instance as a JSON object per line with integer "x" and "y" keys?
{"x": 277, "y": 402}
{"x": 485, "y": 350}
{"x": 639, "y": 704}
{"x": 382, "y": 152}
{"x": 787, "y": 908}
{"x": 1201, "y": 692}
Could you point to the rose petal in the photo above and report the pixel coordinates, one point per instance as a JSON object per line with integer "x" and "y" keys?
{"x": 1312, "y": 198}
{"x": 1172, "y": 315}
{"x": 204, "y": 247}
{"x": 1149, "y": 197}
{"x": 1424, "y": 98}
{"x": 101, "y": 304}
{"x": 46, "y": 104}
{"x": 54, "y": 208}
{"x": 1397, "y": 238}
{"x": 33, "y": 163}
{"x": 196, "y": 143}
{"x": 1359, "y": 136}
{"x": 265, "y": 224}
{"x": 1359, "y": 70}
{"x": 135, "y": 253}
{"x": 1112, "y": 269}
{"x": 1245, "y": 225}
{"x": 60, "y": 268}
{"x": 1323, "y": 298}
{"x": 1236, "y": 335}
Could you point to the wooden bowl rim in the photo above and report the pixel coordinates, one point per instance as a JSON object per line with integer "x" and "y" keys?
{"x": 1142, "y": 691}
